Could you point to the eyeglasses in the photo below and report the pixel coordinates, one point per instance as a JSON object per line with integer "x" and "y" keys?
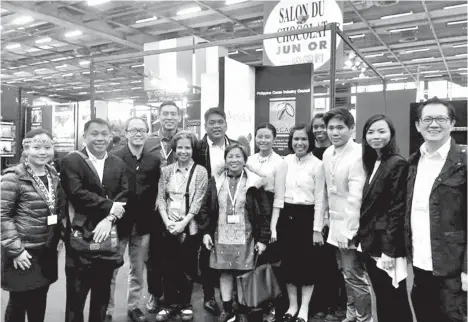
{"x": 439, "y": 119}
{"x": 135, "y": 131}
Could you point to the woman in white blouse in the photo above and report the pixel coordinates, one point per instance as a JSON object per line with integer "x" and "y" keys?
{"x": 301, "y": 221}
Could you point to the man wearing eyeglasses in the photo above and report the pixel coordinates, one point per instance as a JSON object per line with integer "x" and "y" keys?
{"x": 436, "y": 225}
{"x": 143, "y": 172}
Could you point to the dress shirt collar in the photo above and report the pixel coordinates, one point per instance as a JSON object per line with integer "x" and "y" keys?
{"x": 341, "y": 148}
{"x": 442, "y": 152}
{"x": 211, "y": 143}
{"x": 178, "y": 168}
{"x": 93, "y": 158}
{"x": 166, "y": 138}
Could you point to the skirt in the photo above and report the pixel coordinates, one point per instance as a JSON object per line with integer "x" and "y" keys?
{"x": 299, "y": 262}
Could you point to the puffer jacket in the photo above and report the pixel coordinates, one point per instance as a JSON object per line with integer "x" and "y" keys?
{"x": 24, "y": 212}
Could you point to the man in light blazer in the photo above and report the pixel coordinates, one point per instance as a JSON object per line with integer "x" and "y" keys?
{"x": 345, "y": 178}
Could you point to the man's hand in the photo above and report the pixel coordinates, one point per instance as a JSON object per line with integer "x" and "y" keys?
{"x": 22, "y": 260}
{"x": 318, "y": 238}
{"x": 260, "y": 248}
{"x": 208, "y": 242}
{"x": 387, "y": 262}
{"x": 343, "y": 242}
{"x": 274, "y": 236}
{"x": 102, "y": 230}
{"x": 177, "y": 228}
{"x": 118, "y": 209}
{"x": 173, "y": 216}
{"x": 464, "y": 280}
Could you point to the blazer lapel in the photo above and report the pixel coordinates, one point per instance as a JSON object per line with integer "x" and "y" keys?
{"x": 108, "y": 173}
{"x": 370, "y": 183}
{"x": 452, "y": 159}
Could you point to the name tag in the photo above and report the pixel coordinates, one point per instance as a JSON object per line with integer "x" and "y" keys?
{"x": 52, "y": 220}
{"x": 233, "y": 219}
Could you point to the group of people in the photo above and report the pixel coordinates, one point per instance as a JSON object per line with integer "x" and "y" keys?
{"x": 185, "y": 208}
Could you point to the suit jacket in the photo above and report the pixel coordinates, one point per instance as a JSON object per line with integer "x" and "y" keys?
{"x": 143, "y": 176}
{"x": 447, "y": 212}
{"x": 381, "y": 227}
{"x": 344, "y": 205}
{"x": 88, "y": 196}
{"x": 202, "y": 155}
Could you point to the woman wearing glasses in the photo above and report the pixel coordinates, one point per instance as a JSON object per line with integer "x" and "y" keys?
{"x": 235, "y": 217}
{"x": 30, "y": 229}
{"x": 381, "y": 227}
{"x": 180, "y": 195}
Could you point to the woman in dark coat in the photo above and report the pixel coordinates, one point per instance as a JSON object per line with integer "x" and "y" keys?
{"x": 30, "y": 226}
{"x": 381, "y": 227}
{"x": 235, "y": 223}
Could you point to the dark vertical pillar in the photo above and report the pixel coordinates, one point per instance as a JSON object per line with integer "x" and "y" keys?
{"x": 333, "y": 28}
{"x": 92, "y": 90}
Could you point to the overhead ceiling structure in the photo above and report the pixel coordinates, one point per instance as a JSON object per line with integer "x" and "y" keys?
{"x": 46, "y": 46}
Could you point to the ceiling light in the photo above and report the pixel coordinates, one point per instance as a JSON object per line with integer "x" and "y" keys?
{"x": 67, "y": 75}
{"x": 457, "y": 22}
{"x": 62, "y": 66}
{"x": 403, "y": 29}
{"x": 117, "y": 90}
{"x": 374, "y": 55}
{"x": 383, "y": 63}
{"x": 393, "y": 75}
{"x": 110, "y": 69}
{"x": 413, "y": 51}
{"x": 460, "y": 45}
{"x": 59, "y": 58}
{"x": 462, "y": 68}
{"x": 74, "y": 33}
{"x": 438, "y": 75}
{"x": 135, "y": 81}
{"x": 461, "y": 55}
{"x": 230, "y": 2}
{"x": 33, "y": 50}
{"x": 100, "y": 91}
{"x": 23, "y": 20}
{"x": 136, "y": 66}
{"x": 398, "y": 79}
{"x": 465, "y": 73}
{"x": 422, "y": 59}
{"x": 397, "y": 15}
{"x": 135, "y": 88}
{"x": 147, "y": 19}
{"x": 13, "y": 46}
{"x": 78, "y": 87}
{"x": 86, "y": 73}
{"x": 4, "y": 10}
{"x": 356, "y": 36}
{"x": 43, "y": 40}
{"x": 96, "y": 2}
{"x": 189, "y": 10}
{"x": 430, "y": 71}
{"x": 113, "y": 84}
{"x": 259, "y": 49}
{"x": 82, "y": 93}
{"x": 456, "y": 6}
{"x": 47, "y": 77}
{"x": 233, "y": 52}
{"x": 348, "y": 23}
{"x": 84, "y": 62}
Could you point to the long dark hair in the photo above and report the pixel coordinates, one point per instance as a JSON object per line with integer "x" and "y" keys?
{"x": 369, "y": 155}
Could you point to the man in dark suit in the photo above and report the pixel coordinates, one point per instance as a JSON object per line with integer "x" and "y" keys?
{"x": 97, "y": 192}
{"x": 143, "y": 172}
{"x": 211, "y": 156}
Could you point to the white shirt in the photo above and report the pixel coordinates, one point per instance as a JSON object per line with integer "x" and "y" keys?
{"x": 305, "y": 184}
{"x": 216, "y": 157}
{"x": 429, "y": 167}
{"x": 98, "y": 163}
{"x": 376, "y": 167}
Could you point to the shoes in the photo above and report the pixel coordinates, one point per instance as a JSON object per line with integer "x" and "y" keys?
{"x": 289, "y": 318}
{"x": 300, "y": 320}
{"x": 319, "y": 315}
{"x": 331, "y": 318}
{"x": 153, "y": 304}
{"x": 136, "y": 315}
{"x": 211, "y": 306}
{"x": 165, "y": 314}
{"x": 242, "y": 318}
{"x": 186, "y": 313}
{"x": 226, "y": 317}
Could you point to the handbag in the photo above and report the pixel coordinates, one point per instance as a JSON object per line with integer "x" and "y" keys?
{"x": 257, "y": 286}
{"x": 81, "y": 231}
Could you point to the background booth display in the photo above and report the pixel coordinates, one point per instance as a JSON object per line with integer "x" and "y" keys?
{"x": 8, "y": 139}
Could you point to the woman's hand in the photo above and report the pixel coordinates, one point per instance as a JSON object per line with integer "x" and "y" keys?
{"x": 260, "y": 248}
{"x": 208, "y": 242}
{"x": 318, "y": 238}
{"x": 387, "y": 262}
{"x": 178, "y": 228}
{"x": 22, "y": 261}
{"x": 173, "y": 216}
{"x": 169, "y": 225}
{"x": 102, "y": 230}
{"x": 274, "y": 236}
{"x": 343, "y": 241}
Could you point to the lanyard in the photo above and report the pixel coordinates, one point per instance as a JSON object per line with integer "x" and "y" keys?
{"x": 334, "y": 166}
{"x": 163, "y": 151}
{"x": 185, "y": 177}
{"x": 233, "y": 200}
{"x": 50, "y": 194}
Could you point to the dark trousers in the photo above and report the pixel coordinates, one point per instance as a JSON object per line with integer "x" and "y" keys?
{"x": 80, "y": 281}
{"x": 33, "y": 303}
{"x": 180, "y": 269}
{"x": 209, "y": 276}
{"x": 392, "y": 303}
{"x": 438, "y": 298}
{"x": 154, "y": 265}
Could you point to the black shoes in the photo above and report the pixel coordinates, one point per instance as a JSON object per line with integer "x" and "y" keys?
{"x": 212, "y": 307}
{"x": 136, "y": 315}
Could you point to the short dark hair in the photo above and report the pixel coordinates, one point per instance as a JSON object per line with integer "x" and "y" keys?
{"x": 35, "y": 132}
{"x": 268, "y": 126}
{"x": 236, "y": 146}
{"x": 310, "y": 136}
{"x": 96, "y": 121}
{"x": 169, "y": 103}
{"x": 136, "y": 118}
{"x": 184, "y": 135}
{"x": 215, "y": 110}
{"x": 316, "y": 116}
{"x": 436, "y": 100}
{"x": 369, "y": 155}
{"x": 342, "y": 114}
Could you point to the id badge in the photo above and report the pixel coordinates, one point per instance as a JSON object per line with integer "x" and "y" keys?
{"x": 233, "y": 219}
{"x": 333, "y": 189}
{"x": 52, "y": 220}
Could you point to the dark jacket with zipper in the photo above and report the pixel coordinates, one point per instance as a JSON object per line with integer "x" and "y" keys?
{"x": 257, "y": 207}
{"x": 201, "y": 155}
{"x": 381, "y": 226}
{"x": 143, "y": 177}
{"x": 447, "y": 211}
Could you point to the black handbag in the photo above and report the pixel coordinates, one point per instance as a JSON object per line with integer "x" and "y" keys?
{"x": 81, "y": 230}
